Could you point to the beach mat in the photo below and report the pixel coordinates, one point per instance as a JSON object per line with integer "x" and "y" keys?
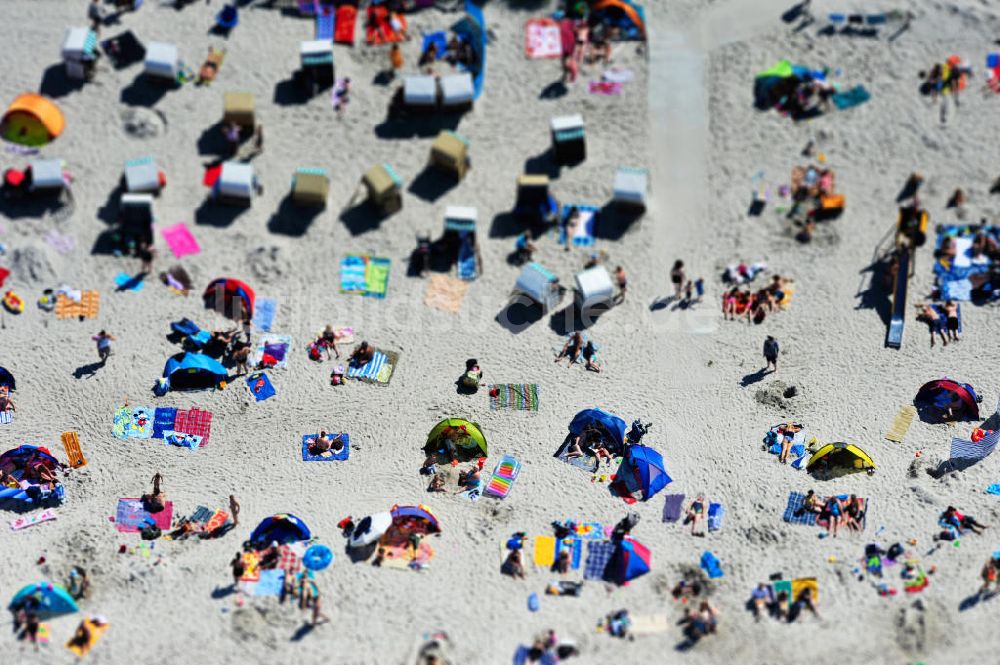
{"x": 599, "y": 553}
{"x": 131, "y": 516}
{"x": 715, "y": 514}
{"x": 364, "y": 275}
{"x": 901, "y": 423}
{"x": 344, "y": 22}
{"x": 71, "y": 444}
{"x": 544, "y": 553}
{"x": 504, "y": 476}
{"x": 277, "y": 346}
{"x": 328, "y": 456}
{"x": 25, "y": 521}
{"x": 163, "y": 420}
{"x": 180, "y": 241}
{"x": 182, "y": 440}
{"x": 271, "y": 583}
{"x": 260, "y": 386}
{"x": 87, "y": 308}
{"x": 854, "y": 97}
{"x": 795, "y": 512}
{"x": 673, "y": 507}
{"x": 263, "y": 313}
{"x": 96, "y": 633}
{"x": 514, "y": 396}
{"x": 445, "y": 293}
{"x": 379, "y": 369}
{"x": 324, "y": 24}
{"x": 196, "y": 422}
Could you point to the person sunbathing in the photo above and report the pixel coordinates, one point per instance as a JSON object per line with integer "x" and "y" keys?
{"x": 564, "y": 561}
{"x": 513, "y": 565}
{"x": 81, "y": 638}
{"x": 696, "y": 515}
{"x": 812, "y": 503}
{"x": 436, "y": 484}
{"x": 572, "y": 348}
{"x": 933, "y": 320}
{"x": 469, "y": 479}
{"x": 853, "y": 515}
{"x": 41, "y": 474}
{"x": 804, "y": 601}
{"x": 983, "y": 244}
{"x": 760, "y": 599}
{"x": 990, "y": 575}
{"x": 362, "y": 355}
{"x": 271, "y": 557}
{"x": 320, "y": 444}
{"x": 835, "y": 509}
{"x": 590, "y": 357}
{"x": 8, "y": 480}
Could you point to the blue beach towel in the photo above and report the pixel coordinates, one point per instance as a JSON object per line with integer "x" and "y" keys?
{"x": 324, "y": 25}
{"x": 260, "y": 386}
{"x": 271, "y": 583}
{"x": 854, "y": 97}
{"x": 711, "y": 565}
{"x": 369, "y": 371}
{"x": 576, "y": 547}
{"x": 440, "y": 42}
{"x": 993, "y": 489}
{"x": 352, "y": 275}
{"x": 598, "y": 555}
{"x": 163, "y": 420}
{"x": 263, "y": 313}
{"x": 125, "y": 282}
{"x": 467, "y": 259}
{"x": 795, "y": 512}
{"x": 715, "y": 514}
{"x": 583, "y": 235}
{"x": 331, "y": 456}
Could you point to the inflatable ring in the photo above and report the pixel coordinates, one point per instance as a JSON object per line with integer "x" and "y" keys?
{"x": 13, "y": 303}
{"x": 977, "y": 435}
{"x": 317, "y": 557}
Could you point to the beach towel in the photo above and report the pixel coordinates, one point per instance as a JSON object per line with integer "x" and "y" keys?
{"x": 445, "y": 293}
{"x": 575, "y": 545}
{"x": 251, "y": 567}
{"x": 711, "y": 565}
{"x": 328, "y": 456}
{"x": 163, "y": 419}
{"x": 800, "y": 584}
{"x": 583, "y": 233}
{"x": 854, "y": 97}
{"x": 599, "y": 553}
{"x": 439, "y": 40}
{"x": 180, "y": 240}
{"x": 181, "y": 440}
{"x": 901, "y": 424}
{"x": 271, "y": 583}
{"x": 274, "y": 345}
{"x": 504, "y": 476}
{"x": 514, "y": 396}
{"x": 96, "y": 633}
{"x": 523, "y": 653}
{"x": 715, "y": 514}
{"x": 399, "y": 554}
{"x": 71, "y": 444}
{"x": 131, "y": 517}
{"x": 466, "y": 268}
{"x": 121, "y": 422}
{"x": 64, "y": 244}
{"x": 263, "y": 313}
{"x": 618, "y": 75}
{"x": 31, "y": 520}
{"x": 141, "y": 424}
{"x": 605, "y": 88}
{"x": 542, "y": 39}
{"x": 260, "y": 386}
{"x": 795, "y": 512}
{"x": 324, "y": 24}
{"x": 196, "y": 422}
{"x": 346, "y": 17}
{"x": 783, "y": 585}
{"x": 364, "y": 275}
{"x": 87, "y": 307}
{"x": 383, "y": 26}
{"x": 126, "y": 282}
{"x": 673, "y": 507}
{"x": 6, "y": 417}
{"x": 378, "y": 370}
{"x": 586, "y": 462}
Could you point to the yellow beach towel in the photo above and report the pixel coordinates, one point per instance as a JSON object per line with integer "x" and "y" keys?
{"x": 545, "y": 551}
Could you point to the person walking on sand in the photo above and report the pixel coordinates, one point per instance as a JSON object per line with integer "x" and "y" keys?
{"x": 677, "y": 278}
{"x": 621, "y": 280}
{"x": 239, "y": 568}
{"x": 103, "y": 340}
{"x": 234, "y": 510}
{"x": 395, "y": 61}
{"x": 96, "y": 16}
{"x": 771, "y": 350}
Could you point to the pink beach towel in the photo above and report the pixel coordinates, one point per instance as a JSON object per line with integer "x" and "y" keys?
{"x": 542, "y": 39}
{"x": 606, "y": 88}
{"x": 130, "y": 516}
{"x": 180, "y": 240}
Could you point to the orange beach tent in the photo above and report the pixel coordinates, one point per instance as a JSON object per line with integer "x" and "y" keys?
{"x": 32, "y": 120}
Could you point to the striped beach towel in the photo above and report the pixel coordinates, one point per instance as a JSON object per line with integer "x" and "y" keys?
{"x": 514, "y": 396}
{"x": 6, "y": 417}
{"x": 795, "y": 512}
{"x": 599, "y": 553}
{"x": 970, "y": 451}
{"x": 378, "y": 370}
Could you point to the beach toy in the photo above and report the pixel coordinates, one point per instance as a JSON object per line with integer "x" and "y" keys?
{"x": 504, "y": 475}
{"x": 533, "y": 602}
{"x": 317, "y": 557}
{"x": 13, "y": 302}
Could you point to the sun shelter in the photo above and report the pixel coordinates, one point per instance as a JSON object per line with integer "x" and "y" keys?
{"x": 630, "y": 559}
{"x": 79, "y": 53}
{"x": 238, "y": 107}
{"x": 594, "y": 288}
{"x": 414, "y": 519}
{"x": 631, "y": 187}
{"x": 535, "y": 205}
{"x": 608, "y": 428}
{"x": 369, "y": 530}
{"x": 454, "y": 438}
{"x": 459, "y": 240}
{"x": 282, "y": 528}
{"x": 317, "y": 72}
{"x": 627, "y": 17}
{"x": 568, "y": 143}
{"x": 311, "y": 187}
{"x": 32, "y": 120}
{"x": 420, "y": 92}
{"x": 450, "y": 152}
{"x": 136, "y": 218}
{"x": 193, "y": 371}
{"x": 236, "y": 184}
{"x": 640, "y": 475}
{"x": 385, "y": 188}
{"x": 7, "y": 379}
{"x": 540, "y": 285}
{"x": 143, "y": 175}
{"x": 45, "y": 599}
{"x": 836, "y": 459}
{"x": 945, "y": 399}
{"x": 457, "y": 91}
{"x": 163, "y": 61}
{"x": 471, "y": 30}
{"x": 230, "y": 297}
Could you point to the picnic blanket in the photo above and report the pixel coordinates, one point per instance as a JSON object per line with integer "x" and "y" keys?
{"x": 445, "y": 293}
{"x": 263, "y": 313}
{"x": 180, "y": 241}
{"x": 328, "y": 456}
{"x": 126, "y": 282}
{"x": 583, "y": 232}
{"x": 378, "y": 370}
{"x": 514, "y": 396}
{"x": 31, "y": 520}
{"x": 86, "y": 307}
{"x": 274, "y": 345}
{"x": 542, "y": 39}
{"x": 673, "y": 507}
{"x": 260, "y": 386}
{"x": 364, "y": 275}
{"x": 599, "y": 553}
{"x": 795, "y": 512}
{"x": 324, "y": 24}
{"x": 196, "y": 422}
{"x": 130, "y": 516}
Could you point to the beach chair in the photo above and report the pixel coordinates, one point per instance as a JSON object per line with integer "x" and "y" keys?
{"x": 457, "y": 92}
{"x": 534, "y": 204}
{"x": 450, "y": 152}
{"x": 163, "y": 62}
{"x": 143, "y": 176}
{"x": 317, "y": 71}
{"x": 568, "y": 144}
{"x": 44, "y": 177}
{"x": 459, "y": 240}
{"x": 630, "y": 190}
{"x": 384, "y": 188}
{"x": 420, "y": 93}
{"x": 79, "y": 53}
{"x": 238, "y": 107}
{"x": 539, "y": 285}
{"x": 210, "y": 68}
{"x": 236, "y": 184}
{"x": 311, "y": 187}
{"x": 594, "y": 288}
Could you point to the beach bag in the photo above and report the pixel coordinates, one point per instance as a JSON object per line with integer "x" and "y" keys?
{"x": 314, "y": 353}
{"x": 150, "y": 532}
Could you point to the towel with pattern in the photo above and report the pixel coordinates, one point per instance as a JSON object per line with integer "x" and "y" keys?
{"x": 514, "y": 396}
{"x": 378, "y": 370}
{"x": 599, "y": 553}
{"x": 86, "y": 307}
{"x": 795, "y": 512}
{"x": 364, "y": 275}
{"x": 260, "y": 386}
{"x": 196, "y": 422}
{"x": 131, "y": 517}
{"x": 584, "y": 227}
{"x": 542, "y": 39}
{"x": 328, "y": 456}
{"x": 275, "y": 346}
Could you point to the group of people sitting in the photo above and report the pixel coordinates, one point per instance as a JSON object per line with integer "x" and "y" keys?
{"x": 592, "y": 45}
{"x": 36, "y": 479}
{"x": 590, "y": 442}
{"x": 457, "y": 52}
{"x": 576, "y": 348}
{"x": 839, "y": 512}
{"x": 764, "y": 601}
{"x": 755, "y": 305}
{"x": 814, "y": 198}
{"x": 324, "y": 443}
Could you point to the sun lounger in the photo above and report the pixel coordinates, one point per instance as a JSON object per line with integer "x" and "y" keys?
{"x": 504, "y": 475}
{"x": 346, "y": 17}
{"x": 71, "y": 444}
{"x": 324, "y": 24}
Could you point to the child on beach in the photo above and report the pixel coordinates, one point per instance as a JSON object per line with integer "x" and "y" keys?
{"x": 103, "y": 340}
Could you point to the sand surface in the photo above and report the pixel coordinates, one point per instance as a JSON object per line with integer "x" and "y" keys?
{"x": 688, "y": 117}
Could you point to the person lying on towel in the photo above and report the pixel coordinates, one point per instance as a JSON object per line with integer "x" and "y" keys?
{"x": 323, "y": 443}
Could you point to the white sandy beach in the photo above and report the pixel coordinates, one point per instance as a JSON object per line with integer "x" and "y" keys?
{"x": 688, "y": 116}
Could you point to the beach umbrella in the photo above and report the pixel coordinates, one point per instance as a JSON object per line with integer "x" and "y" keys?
{"x": 370, "y": 529}
{"x": 631, "y": 559}
{"x": 317, "y": 557}
{"x": 46, "y": 598}
{"x": 640, "y": 475}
